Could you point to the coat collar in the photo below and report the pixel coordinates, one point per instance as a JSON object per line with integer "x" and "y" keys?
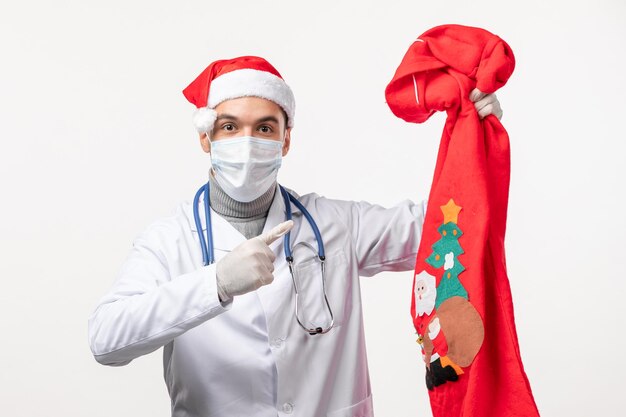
{"x": 226, "y": 237}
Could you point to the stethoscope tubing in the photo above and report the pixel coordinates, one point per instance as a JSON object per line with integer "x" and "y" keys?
{"x": 208, "y": 254}
{"x": 288, "y": 197}
{"x": 206, "y": 244}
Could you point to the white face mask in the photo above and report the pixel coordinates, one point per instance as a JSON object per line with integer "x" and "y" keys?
{"x": 246, "y": 167}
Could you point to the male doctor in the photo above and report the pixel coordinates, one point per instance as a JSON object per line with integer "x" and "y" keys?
{"x": 237, "y": 340}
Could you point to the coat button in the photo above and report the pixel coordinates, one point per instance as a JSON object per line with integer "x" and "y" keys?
{"x": 276, "y": 343}
{"x": 287, "y": 408}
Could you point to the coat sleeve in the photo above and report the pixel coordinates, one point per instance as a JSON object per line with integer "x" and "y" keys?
{"x": 385, "y": 239}
{"x": 147, "y": 308}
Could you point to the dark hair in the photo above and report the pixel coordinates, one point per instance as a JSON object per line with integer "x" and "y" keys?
{"x": 286, "y": 118}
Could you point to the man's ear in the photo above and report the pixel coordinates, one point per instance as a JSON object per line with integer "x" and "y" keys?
{"x": 287, "y": 141}
{"x": 205, "y": 142}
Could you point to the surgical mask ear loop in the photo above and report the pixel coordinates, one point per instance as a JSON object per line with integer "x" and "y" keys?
{"x": 282, "y": 144}
{"x": 208, "y": 137}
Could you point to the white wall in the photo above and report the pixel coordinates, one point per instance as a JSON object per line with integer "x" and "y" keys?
{"x": 97, "y": 142}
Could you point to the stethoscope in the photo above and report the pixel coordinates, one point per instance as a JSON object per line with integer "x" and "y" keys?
{"x": 208, "y": 255}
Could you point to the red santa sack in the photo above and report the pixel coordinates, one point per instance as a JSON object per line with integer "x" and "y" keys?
{"x": 461, "y": 306}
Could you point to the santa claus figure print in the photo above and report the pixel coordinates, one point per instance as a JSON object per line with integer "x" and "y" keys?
{"x": 430, "y": 336}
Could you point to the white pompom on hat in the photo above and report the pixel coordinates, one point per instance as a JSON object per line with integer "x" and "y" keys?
{"x": 246, "y": 76}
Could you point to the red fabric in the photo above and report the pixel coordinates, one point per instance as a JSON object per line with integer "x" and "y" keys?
{"x": 197, "y": 92}
{"x": 473, "y": 166}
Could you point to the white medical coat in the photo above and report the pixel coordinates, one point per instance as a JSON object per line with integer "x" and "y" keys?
{"x": 248, "y": 356}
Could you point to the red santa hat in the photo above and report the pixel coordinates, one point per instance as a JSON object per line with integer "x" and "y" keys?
{"x": 246, "y": 76}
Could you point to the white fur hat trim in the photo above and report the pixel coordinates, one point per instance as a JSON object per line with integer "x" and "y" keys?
{"x": 253, "y": 83}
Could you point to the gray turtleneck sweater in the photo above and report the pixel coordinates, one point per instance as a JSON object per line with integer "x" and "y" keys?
{"x": 248, "y": 218}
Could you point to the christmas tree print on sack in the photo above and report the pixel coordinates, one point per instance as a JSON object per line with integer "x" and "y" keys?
{"x": 450, "y": 330}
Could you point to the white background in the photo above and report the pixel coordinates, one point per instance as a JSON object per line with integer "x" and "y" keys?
{"x": 97, "y": 143}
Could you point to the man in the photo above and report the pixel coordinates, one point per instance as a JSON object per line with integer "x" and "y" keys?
{"x": 237, "y": 339}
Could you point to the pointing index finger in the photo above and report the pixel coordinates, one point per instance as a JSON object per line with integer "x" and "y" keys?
{"x": 276, "y": 232}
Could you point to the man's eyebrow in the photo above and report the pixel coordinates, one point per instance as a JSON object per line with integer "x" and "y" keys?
{"x": 226, "y": 116}
{"x": 268, "y": 119}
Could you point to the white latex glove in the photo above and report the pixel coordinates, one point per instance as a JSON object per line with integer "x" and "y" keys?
{"x": 249, "y": 265}
{"x": 486, "y": 104}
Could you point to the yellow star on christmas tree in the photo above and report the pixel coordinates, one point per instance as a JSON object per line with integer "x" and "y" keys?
{"x": 450, "y": 212}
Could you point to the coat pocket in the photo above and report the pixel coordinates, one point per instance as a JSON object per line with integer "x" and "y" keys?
{"x": 338, "y": 286}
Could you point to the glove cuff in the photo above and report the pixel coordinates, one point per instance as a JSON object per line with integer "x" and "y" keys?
{"x": 221, "y": 293}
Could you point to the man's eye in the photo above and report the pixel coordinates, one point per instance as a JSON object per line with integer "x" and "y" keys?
{"x": 265, "y": 129}
{"x": 228, "y": 127}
